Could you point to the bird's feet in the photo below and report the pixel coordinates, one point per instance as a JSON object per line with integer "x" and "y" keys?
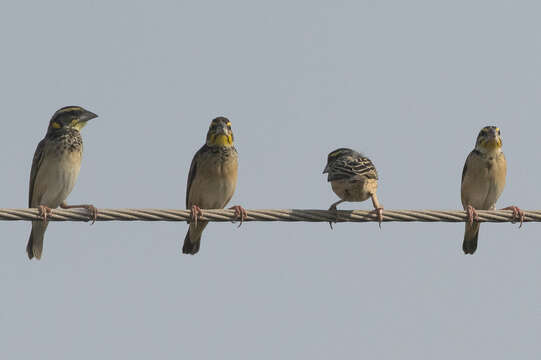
{"x": 472, "y": 214}
{"x": 196, "y": 213}
{"x": 518, "y": 214}
{"x": 92, "y": 211}
{"x": 44, "y": 212}
{"x": 240, "y": 213}
{"x": 333, "y": 209}
{"x": 379, "y": 214}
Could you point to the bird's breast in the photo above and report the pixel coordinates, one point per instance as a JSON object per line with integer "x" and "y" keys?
{"x": 57, "y": 176}
{"x": 215, "y": 183}
{"x": 484, "y": 182}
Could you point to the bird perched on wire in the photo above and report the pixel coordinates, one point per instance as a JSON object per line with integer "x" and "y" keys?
{"x": 55, "y": 168}
{"x": 212, "y": 180}
{"x": 483, "y": 180}
{"x": 353, "y": 177}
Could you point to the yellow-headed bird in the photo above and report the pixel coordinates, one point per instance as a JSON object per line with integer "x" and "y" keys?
{"x": 212, "y": 180}
{"x": 483, "y": 180}
{"x": 55, "y": 168}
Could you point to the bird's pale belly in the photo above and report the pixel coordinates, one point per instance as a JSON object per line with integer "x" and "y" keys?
{"x": 354, "y": 190}
{"x": 483, "y": 193}
{"x": 211, "y": 192}
{"x": 57, "y": 178}
{"x": 217, "y": 195}
{"x": 484, "y": 197}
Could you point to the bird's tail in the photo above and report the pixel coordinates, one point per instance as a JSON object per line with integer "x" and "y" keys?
{"x": 34, "y": 248}
{"x": 193, "y": 238}
{"x": 470, "y": 238}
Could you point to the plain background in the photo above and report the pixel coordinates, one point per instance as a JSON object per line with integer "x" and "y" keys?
{"x": 410, "y": 84}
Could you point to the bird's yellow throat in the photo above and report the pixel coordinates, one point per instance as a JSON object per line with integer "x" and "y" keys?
{"x": 492, "y": 144}
{"x": 222, "y": 140}
{"x": 78, "y": 124}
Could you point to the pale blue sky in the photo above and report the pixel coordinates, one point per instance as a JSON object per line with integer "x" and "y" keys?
{"x": 408, "y": 83}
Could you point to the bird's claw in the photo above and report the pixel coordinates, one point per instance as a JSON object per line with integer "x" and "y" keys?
{"x": 240, "y": 213}
{"x": 44, "y": 212}
{"x": 379, "y": 213}
{"x": 518, "y": 214}
{"x": 196, "y": 213}
{"x": 335, "y": 210}
{"x": 472, "y": 214}
{"x": 92, "y": 213}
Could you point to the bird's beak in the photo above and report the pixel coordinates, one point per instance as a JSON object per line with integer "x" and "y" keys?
{"x": 87, "y": 115}
{"x": 81, "y": 121}
{"x": 222, "y": 130}
{"x": 493, "y": 137}
{"x": 326, "y": 170}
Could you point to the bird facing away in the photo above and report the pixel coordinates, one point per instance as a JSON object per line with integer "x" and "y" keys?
{"x": 212, "y": 180}
{"x": 55, "y": 168}
{"x": 353, "y": 177}
{"x": 483, "y": 180}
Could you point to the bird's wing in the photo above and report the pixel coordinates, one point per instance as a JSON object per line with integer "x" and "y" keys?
{"x": 36, "y": 163}
{"x": 500, "y": 172}
{"x": 351, "y": 168}
{"x": 192, "y": 173}
{"x": 464, "y": 171}
{"x": 478, "y": 181}
{"x": 470, "y": 157}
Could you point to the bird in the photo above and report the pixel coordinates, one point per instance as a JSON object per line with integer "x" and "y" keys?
{"x": 55, "y": 167}
{"x": 353, "y": 177}
{"x": 483, "y": 180}
{"x": 211, "y": 180}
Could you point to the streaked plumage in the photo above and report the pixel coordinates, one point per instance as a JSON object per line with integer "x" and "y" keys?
{"x": 212, "y": 179}
{"x": 483, "y": 181}
{"x": 353, "y": 177}
{"x": 55, "y": 167}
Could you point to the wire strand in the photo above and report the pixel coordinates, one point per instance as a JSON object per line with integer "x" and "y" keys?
{"x": 287, "y": 215}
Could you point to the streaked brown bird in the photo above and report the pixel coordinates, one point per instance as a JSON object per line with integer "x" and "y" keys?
{"x": 55, "y": 168}
{"x": 353, "y": 177}
{"x": 212, "y": 180}
{"x": 483, "y": 180}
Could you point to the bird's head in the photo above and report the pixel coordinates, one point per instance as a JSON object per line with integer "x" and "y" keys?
{"x": 336, "y": 154}
{"x": 489, "y": 140}
{"x": 220, "y": 133}
{"x": 74, "y": 117}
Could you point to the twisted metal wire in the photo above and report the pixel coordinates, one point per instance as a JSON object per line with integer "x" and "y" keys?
{"x": 287, "y": 215}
